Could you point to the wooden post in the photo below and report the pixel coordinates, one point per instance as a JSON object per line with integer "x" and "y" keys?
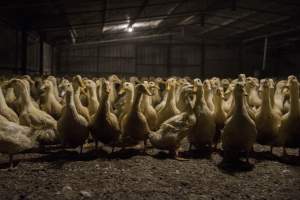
{"x": 169, "y": 46}
{"x": 240, "y": 57}
{"x": 24, "y": 52}
{"x": 41, "y": 69}
{"x": 17, "y": 53}
{"x": 203, "y": 60}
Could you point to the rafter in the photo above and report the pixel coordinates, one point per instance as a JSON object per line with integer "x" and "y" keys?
{"x": 103, "y": 15}
{"x": 139, "y": 12}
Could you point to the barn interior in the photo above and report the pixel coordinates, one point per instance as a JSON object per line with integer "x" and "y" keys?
{"x": 147, "y": 39}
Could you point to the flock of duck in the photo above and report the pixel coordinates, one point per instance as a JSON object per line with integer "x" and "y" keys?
{"x": 39, "y": 111}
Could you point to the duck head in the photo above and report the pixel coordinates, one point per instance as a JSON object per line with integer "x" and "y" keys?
{"x": 126, "y": 87}
{"x": 47, "y": 85}
{"x": 143, "y": 88}
{"x": 239, "y": 90}
{"x": 171, "y": 83}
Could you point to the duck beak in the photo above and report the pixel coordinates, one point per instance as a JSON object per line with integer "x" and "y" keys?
{"x": 122, "y": 91}
{"x": 156, "y": 87}
{"x": 149, "y": 93}
{"x": 42, "y": 87}
{"x": 83, "y": 91}
{"x": 63, "y": 93}
{"x": 168, "y": 86}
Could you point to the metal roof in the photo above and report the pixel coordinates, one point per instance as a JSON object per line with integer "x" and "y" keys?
{"x": 78, "y": 21}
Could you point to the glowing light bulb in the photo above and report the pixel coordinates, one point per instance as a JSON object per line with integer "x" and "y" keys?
{"x": 130, "y": 29}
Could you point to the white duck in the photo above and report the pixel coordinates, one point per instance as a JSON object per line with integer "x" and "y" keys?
{"x": 290, "y": 126}
{"x": 171, "y": 132}
{"x": 233, "y": 139}
{"x": 14, "y": 138}
{"x": 72, "y": 127}
{"x": 267, "y": 120}
{"x": 204, "y": 130}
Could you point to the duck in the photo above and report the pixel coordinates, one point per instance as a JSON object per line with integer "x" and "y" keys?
{"x": 134, "y": 124}
{"x": 289, "y": 129}
{"x": 14, "y": 138}
{"x": 169, "y": 109}
{"x": 105, "y": 126}
{"x": 181, "y": 105}
{"x": 92, "y": 99}
{"x": 48, "y": 102}
{"x": 253, "y": 99}
{"x": 156, "y": 98}
{"x": 146, "y": 106}
{"x": 114, "y": 82}
{"x": 72, "y": 127}
{"x": 208, "y": 94}
{"x": 55, "y": 88}
{"x": 233, "y": 139}
{"x": 78, "y": 87}
{"x": 6, "y": 111}
{"x": 280, "y": 95}
{"x": 171, "y": 132}
{"x": 10, "y": 97}
{"x": 228, "y": 102}
{"x": 219, "y": 114}
{"x": 43, "y": 124}
{"x": 204, "y": 130}
{"x": 267, "y": 120}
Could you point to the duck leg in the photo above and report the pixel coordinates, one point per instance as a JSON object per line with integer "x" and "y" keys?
{"x": 271, "y": 148}
{"x": 176, "y": 155}
{"x": 113, "y": 148}
{"x": 190, "y": 147}
{"x": 145, "y": 147}
{"x": 81, "y": 148}
{"x": 247, "y": 157}
{"x": 11, "y": 161}
{"x": 96, "y": 145}
{"x": 284, "y": 151}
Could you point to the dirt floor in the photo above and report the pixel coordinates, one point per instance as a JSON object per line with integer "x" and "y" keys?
{"x": 130, "y": 175}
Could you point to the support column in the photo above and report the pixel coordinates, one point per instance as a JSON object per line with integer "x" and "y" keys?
{"x": 265, "y": 54}
{"x": 240, "y": 57}
{"x": 24, "y": 52}
{"x": 203, "y": 55}
{"x": 17, "y": 53}
{"x": 169, "y": 56}
{"x": 41, "y": 68}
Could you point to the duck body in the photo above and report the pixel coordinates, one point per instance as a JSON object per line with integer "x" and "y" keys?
{"x": 48, "y": 101}
{"x": 171, "y": 132}
{"x": 239, "y": 133}
{"x": 6, "y": 111}
{"x": 43, "y": 125}
{"x": 134, "y": 124}
{"x": 204, "y": 130}
{"x": 267, "y": 120}
{"x": 290, "y": 126}
{"x": 14, "y": 138}
{"x": 72, "y": 127}
{"x": 169, "y": 109}
{"x": 105, "y": 125}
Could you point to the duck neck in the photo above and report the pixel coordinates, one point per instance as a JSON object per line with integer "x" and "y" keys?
{"x": 200, "y": 100}
{"x": 239, "y": 101}
{"x": 266, "y": 103}
{"x": 92, "y": 95}
{"x": 171, "y": 96}
{"x": 218, "y": 103}
{"x": 294, "y": 96}
{"x": 137, "y": 101}
{"x": 25, "y": 95}
{"x": 2, "y": 100}
{"x": 103, "y": 101}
